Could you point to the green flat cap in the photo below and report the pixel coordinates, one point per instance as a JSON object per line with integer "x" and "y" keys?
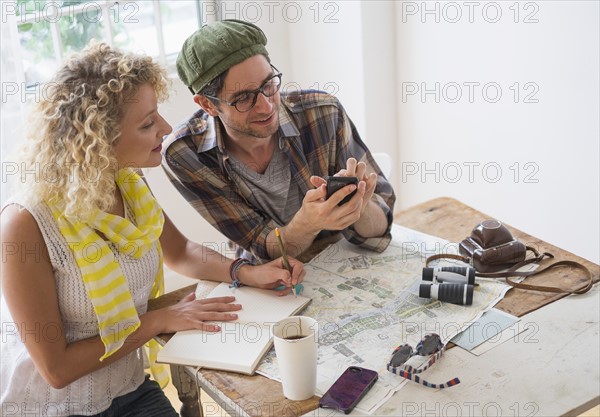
{"x": 215, "y": 48}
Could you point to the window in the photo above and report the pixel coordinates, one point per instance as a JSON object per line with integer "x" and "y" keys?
{"x": 50, "y": 30}
{"x": 37, "y": 34}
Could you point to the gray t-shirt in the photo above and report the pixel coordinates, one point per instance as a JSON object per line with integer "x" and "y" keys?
{"x": 273, "y": 192}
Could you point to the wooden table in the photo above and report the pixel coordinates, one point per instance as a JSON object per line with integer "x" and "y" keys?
{"x": 443, "y": 217}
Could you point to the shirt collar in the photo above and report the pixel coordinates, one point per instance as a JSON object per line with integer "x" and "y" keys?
{"x": 287, "y": 127}
{"x": 208, "y": 138}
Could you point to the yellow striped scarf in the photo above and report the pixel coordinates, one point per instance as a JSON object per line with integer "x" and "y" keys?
{"x": 104, "y": 281}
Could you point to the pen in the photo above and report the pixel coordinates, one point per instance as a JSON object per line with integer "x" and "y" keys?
{"x": 286, "y": 264}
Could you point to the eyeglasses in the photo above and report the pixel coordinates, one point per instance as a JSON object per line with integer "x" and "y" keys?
{"x": 247, "y": 99}
{"x": 404, "y": 358}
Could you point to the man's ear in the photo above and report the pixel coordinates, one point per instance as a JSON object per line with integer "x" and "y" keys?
{"x": 207, "y": 105}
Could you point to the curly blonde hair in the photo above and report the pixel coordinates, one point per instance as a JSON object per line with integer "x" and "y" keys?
{"x": 77, "y": 123}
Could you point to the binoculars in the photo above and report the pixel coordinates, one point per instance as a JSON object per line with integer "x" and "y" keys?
{"x": 453, "y": 284}
{"x": 451, "y": 274}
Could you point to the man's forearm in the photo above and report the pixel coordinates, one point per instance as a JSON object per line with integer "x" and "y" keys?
{"x": 373, "y": 221}
{"x": 297, "y": 239}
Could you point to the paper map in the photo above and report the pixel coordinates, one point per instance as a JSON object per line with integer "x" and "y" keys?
{"x": 367, "y": 303}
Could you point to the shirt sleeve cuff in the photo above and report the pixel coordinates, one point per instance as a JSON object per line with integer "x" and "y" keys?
{"x": 259, "y": 245}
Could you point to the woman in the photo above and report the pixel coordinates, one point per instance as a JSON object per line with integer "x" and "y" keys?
{"x": 83, "y": 248}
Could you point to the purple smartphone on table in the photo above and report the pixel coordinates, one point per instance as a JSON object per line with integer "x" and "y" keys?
{"x": 349, "y": 388}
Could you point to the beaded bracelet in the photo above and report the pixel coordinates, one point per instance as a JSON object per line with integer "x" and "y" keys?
{"x": 234, "y": 269}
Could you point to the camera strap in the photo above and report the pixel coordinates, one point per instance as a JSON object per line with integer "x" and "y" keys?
{"x": 512, "y": 272}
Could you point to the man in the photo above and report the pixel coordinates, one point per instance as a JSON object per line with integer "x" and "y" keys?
{"x": 250, "y": 158}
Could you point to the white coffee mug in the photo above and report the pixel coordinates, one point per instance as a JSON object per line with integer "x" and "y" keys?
{"x": 295, "y": 341}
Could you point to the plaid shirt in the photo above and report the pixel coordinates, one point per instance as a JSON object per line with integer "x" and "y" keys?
{"x": 318, "y": 138}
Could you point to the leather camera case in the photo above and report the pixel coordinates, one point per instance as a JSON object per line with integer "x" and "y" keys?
{"x": 491, "y": 247}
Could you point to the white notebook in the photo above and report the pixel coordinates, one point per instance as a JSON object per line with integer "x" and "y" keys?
{"x": 241, "y": 344}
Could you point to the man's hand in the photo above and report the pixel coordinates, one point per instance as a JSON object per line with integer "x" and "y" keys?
{"x": 358, "y": 170}
{"x": 371, "y": 220}
{"x": 318, "y": 213}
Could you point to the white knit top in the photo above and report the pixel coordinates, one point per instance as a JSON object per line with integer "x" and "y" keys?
{"x": 22, "y": 389}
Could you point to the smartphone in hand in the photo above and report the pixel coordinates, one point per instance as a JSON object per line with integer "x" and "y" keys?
{"x": 336, "y": 183}
{"x": 348, "y": 389}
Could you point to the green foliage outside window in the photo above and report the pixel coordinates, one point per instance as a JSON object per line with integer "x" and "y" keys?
{"x": 75, "y": 29}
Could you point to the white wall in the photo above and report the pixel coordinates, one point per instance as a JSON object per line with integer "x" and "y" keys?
{"x": 183, "y": 215}
{"x": 554, "y": 141}
{"x": 547, "y": 151}
{"x": 380, "y": 79}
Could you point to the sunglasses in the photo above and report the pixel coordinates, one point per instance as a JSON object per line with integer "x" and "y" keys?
{"x": 407, "y": 363}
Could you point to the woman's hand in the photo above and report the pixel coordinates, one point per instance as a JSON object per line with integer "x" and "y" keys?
{"x": 192, "y": 314}
{"x": 272, "y": 275}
